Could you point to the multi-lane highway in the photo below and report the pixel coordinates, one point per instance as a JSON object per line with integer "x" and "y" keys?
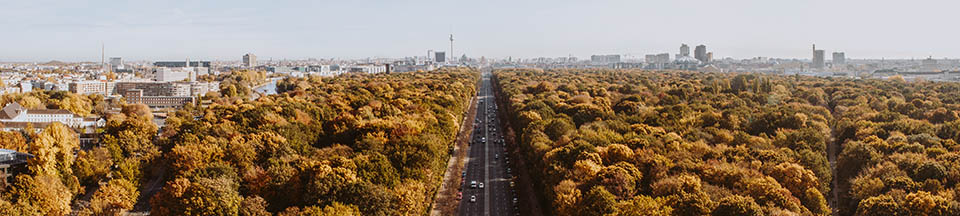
{"x": 487, "y": 163}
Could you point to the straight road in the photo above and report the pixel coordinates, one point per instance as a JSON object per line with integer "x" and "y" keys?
{"x": 487, "y": 163}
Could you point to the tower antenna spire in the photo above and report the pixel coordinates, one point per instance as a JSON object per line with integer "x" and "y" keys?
{"x": 452, "y": 56}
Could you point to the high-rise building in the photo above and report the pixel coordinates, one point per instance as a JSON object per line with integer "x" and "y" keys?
{"x": 440, "y": 56}
{"x": 684, "y": 50}
{"x": 661, "y": 58}
{"x": 650, "y": 59}
{"x": 116, "y": 61}
{"x": 818, "y": 58}
{"x": 604, "y": 59}
{"x": 249, "y": 60}
{"x": 839, "y": 58}
{"x": 700, "y": 53}
{"x": 709, "y": 57}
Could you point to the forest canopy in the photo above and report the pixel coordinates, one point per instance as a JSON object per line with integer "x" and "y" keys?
{"x": 356, "y": 144}
{"x": 636, "y": 142}
{"x": 370, "y": 144}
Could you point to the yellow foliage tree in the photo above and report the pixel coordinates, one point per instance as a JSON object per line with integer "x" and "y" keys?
{"x": 53, "y": 151}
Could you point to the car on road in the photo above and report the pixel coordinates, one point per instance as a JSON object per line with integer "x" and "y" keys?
{"x": 459, "y": 195}
{"x": 473, "y": 198}
{"x": 463, "y": 174}
{"x": 496, "y": 156}
{"x": 473, "y": 184}
{"x": 511, "y": 184}
{"x": 481, "y": 185}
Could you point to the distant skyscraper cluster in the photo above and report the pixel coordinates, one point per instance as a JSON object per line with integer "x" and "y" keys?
{"x": 819, "y": 60}
{"x": 699, "y": 53}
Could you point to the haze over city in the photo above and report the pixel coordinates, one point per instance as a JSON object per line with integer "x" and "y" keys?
{"x": 218, "y": 30}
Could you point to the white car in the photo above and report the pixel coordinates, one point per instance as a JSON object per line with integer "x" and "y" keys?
{"x": 473, "y": 198}
{"x": 481, "y": 185}
{"x": 473, "y": 184}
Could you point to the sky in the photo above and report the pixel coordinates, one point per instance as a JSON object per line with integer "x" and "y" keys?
{"x": 74, "y": 30}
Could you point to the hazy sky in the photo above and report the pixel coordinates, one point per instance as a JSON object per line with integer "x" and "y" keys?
{"x": 72, "y": 30}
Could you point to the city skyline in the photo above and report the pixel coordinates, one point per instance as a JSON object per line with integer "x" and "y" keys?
{"x": 499, "y": 29}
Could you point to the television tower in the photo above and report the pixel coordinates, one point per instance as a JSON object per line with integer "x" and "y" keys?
{"x": 452, "y": 56}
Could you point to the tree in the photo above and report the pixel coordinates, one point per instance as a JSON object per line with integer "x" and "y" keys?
{"x": 542, "y": 87}
{"x": 334, "y": 209}
{"x": 598, "y": 202}
{"x": 53, "y": 151}
{"x": 737, "y": 205}
{"x": 30, "y": 102}
{"x": 815, "y": 202}
{"x": 855, "y": 156}
{"x": 253, "y": 206}
{"x": 567, "y": 197}
{"x": 76, "y": 104}
{"x": 799, "y": 181}
{"x": 583, "y": 113}
{"x": 558, "y": 127}
{"x": 880, "y": 205}
{"x": 206, "y": 196}
{"x": 696, "y": 203}
{"x": 930, "y": 170}
{"x": 131, "y": 110}
{"x": 93, "y": 165}
{"x": 621, "y": 180}
{"x": 924, "y": 203}
{"x": 644, "y": 205}
{"x": 377, "y": 169}
{"x": 13, "y": 140}
{"x": 46, "y": 193}
{"x": 115, "y": 198}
